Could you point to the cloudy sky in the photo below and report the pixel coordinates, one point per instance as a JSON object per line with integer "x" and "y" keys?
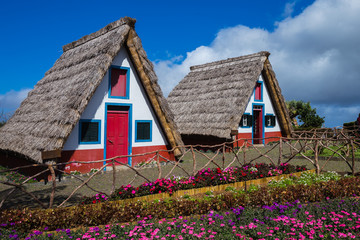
{"x": 314, "y": 45}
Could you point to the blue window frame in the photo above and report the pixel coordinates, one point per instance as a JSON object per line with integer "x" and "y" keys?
{"x": 89, "y": 131}
{"x": 114, "y": 72}
{"x": 143, "y": 130}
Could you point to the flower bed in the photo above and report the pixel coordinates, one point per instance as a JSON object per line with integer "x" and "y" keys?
{"x": 203, "y": 178}
{"x": 328, "y": 219}
{"x": 24, "y": 220}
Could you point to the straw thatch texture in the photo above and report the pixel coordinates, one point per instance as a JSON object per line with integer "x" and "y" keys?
{"x": 47, "y": 116}
{"x": 211, "y": 99}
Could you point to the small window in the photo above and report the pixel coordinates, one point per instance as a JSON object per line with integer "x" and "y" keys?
{"x": 143, "y": 130}
{"x": 270, "y": 121}
{"x": 89, "y": 131}
{"x": 246, "y": 121}
{"x": 258, "y": 91}
{"x": 119, "y": 84}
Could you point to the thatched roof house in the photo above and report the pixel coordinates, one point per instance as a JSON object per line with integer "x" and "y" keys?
{"x": 211, "y": 100}
{"x": 54, "y": 107}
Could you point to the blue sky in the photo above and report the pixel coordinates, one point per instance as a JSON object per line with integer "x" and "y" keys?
{"x": 313, "y": 43}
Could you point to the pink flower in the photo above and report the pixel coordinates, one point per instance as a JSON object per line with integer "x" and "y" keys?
{"x": 252, "y": 225}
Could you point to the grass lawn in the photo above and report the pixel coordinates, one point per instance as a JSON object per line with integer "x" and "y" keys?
{"x": 327, "y": 153}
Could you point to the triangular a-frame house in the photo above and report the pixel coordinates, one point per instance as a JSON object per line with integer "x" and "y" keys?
{"x": 231, "y": 99}
{"x": 100, "y": 99}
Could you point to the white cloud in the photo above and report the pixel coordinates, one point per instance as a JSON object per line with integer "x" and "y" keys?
{"x": 315, "y": 54}
{"x": 289, "y": 9}
{"x": 11, "y": 100}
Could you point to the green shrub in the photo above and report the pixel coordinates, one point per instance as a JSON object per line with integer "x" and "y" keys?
{"x": 349, "y": 124}
{"x": 75, "y": 172}
{"x": 305, "y": 179}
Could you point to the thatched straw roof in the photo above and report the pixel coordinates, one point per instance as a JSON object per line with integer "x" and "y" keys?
{"x": 212, "y": 98}
{"x": 47, "y": 116}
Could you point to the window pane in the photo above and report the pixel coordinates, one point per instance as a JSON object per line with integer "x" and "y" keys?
{"x": 118, "y": 82}
{"x": 273, "y": 122}
{"x": 250, "y": 120}
{"x": 258, "y": 91}
{"x": 89, "y": 132}
{"x": 143, "y": 131}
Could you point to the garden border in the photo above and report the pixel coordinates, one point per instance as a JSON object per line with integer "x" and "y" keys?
{"x": 217, "y": 188}
{"x": 194, "y": 191}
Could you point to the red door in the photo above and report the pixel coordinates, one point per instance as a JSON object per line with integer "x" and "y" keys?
{"x": 117, "y": 134}
{"x": 258, "y": 124}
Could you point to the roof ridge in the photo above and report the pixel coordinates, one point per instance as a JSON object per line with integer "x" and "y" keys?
{"x": 228, "y": 60}
{"x": 111, "y": 26}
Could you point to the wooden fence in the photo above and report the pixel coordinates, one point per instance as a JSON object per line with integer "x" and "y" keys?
{"x": 305, "y": 147}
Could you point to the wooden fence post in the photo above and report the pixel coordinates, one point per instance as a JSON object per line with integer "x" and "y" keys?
{"x": 114, "y": 177}
{"x": 244, "y": 150}
{"x": 53, "y": 178}
{"x": 353, "y": 156}
{"x": 194, "y": 160}
{"x": 158, "y": 163}
{"x": 223, "y": 157}
{"x": 280, "y": 151}
{"x": 316, "y": 149}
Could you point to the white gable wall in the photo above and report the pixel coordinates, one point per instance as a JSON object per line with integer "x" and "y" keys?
{"x": 141, "y": 109}
{"x": 267, "y": 109}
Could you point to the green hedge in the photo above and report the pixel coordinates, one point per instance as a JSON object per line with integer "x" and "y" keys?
{"x": 349, "y": 124}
